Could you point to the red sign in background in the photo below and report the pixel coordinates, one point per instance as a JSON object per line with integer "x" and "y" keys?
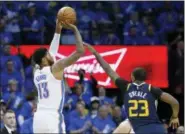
{"x": 123, "y": 59}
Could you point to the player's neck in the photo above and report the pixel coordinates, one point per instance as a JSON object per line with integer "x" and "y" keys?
{"x": 42, "y": 66}
{"x": 138, "y": 82}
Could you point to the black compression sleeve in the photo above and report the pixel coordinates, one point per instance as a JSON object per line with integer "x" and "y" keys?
{"x": 156, "y": 92}
{"x": 121, "y": 83}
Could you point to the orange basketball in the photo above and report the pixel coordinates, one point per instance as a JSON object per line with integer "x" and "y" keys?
{"x": 67, "y": 14}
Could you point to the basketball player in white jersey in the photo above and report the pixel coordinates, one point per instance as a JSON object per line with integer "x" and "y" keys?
{"x": 48, "y": 79}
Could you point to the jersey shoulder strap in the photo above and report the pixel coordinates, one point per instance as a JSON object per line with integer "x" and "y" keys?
{"x": 128, "y": 86}
{"x": 46, "y": 70}
{"x": 149, "y": 87}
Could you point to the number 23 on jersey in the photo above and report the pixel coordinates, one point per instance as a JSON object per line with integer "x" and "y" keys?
{"x": 144, "y": 111}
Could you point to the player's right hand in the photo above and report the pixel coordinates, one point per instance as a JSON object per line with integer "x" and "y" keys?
{"x": 89, "y": 47}
{"x": 68, "y": 25}
{"x": 174, "y": 123}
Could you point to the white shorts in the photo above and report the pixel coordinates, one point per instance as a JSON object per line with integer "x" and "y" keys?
{"x": 47, "y": 122}
{"x": 126, "y": 123}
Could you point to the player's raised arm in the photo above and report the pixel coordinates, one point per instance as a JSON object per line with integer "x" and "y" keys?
{"x": 63, "y": 63}
{"x": 120, "y": 83}
{"x": 166, "y": 97}
{"x": 53, "y": 49}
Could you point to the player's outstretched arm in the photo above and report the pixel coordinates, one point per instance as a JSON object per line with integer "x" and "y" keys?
{"x": 63, "y": 63}
{"x": 120, "y": 83}
{"x": 53, "y": 49}
{"x": 112, "y": 74}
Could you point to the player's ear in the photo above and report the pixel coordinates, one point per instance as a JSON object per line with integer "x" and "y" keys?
{"x": 132, "y": 77}
{"x": 44, "y": 60}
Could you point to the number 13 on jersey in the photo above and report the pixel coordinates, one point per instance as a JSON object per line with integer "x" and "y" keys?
{"x": 144, "y": 111}
{"x": 43, "y": 90}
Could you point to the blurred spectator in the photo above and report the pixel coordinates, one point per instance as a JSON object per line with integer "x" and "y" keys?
{"x": 5, "y": 37}
{"x": 151, "y": 6}
{"x": 33, "y": 26}
{"x": 179, "y": 63}
{"x": 167, "y": 25}
{"x": 80, "y": 123}
{"x": 101, "y": 15}
{"x": 132, "y": 38}
{"x": 42, "y": 6}
{"x": 167, "y": 20}
{"x": 26, "y": 127}
{"x": 72, "y": 114}
{"x": 180, "y": 130}
{"x": 3, "y": 105}
{"x": 26, "y": 111}
{"x": 9, "y": 123}
{"x": 104, "y": 100}
{"x": 103, "y": 123}
{"x": 117, "y": 18}
{"x": 1, "y": 119}
{"x": 28, "y": 83}
{"x": 12, "y": 22}
{"x": 117, "y": 115}
{"x": 68, "y": 39}
{"x": 145, "y": 22}
{"x": 85, "y": 15}
{"x": 128, "y": 6}
{"x": 2, "y": 9}
{"x": 11, "y": 73}
{"x": 87, "y": 84}
{"x": 151, "y": 37}
{"x": 6, "y": 55}
{"x": 133, "y": 22}
{"x": 12, "y": 98}
{"x": 116, "y": 13}
{"x": 169, "y": 15}
{"x": 95, "y": 104}
{"x": 12, "y": 86}
{"x": 178, "y": 5}
{"x": 96, "y": 40}
{"x": 110, "y": 37}
{"x": 77, "y": 96}
{"x": 50, "y": 12}
{"x": 86, "y": 36}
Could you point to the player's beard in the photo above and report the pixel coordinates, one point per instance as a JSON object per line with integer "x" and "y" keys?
{"x": 50, "y": 62}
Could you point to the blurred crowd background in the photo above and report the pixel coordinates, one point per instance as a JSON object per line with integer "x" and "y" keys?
{"x": 100, "y": 23}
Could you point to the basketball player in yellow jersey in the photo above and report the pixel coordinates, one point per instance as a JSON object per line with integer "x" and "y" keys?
{"x": 48, "y": 79}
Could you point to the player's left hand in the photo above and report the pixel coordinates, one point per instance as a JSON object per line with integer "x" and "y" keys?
{"x": 174, "y": 123}
{"x": 68, "y": 25}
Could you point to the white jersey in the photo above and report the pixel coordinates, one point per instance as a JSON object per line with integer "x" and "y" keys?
{"x": 51, "y": 91}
